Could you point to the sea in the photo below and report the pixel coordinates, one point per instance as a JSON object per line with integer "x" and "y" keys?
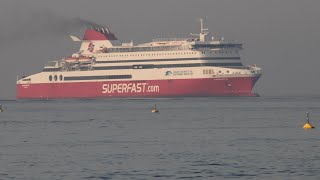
{"x": 190, "y": 138}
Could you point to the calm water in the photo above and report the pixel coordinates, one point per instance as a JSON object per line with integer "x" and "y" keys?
{"x": 191, "y": 138}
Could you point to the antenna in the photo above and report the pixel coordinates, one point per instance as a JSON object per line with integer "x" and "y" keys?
{"x": 203, "y": 33}
{"x": 203, "y": 29}
{"x": 201, "y": 20}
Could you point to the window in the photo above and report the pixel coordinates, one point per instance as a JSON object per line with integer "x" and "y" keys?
{"x": 50, "y": 78}
{"x": 26, "y": 79}
{"x": 74, "y": 78}
{"x": 60, "y": 77}
{"x": 55, "y": 77}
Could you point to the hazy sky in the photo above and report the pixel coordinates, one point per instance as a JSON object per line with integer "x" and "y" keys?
{"x": 281, "y": 36}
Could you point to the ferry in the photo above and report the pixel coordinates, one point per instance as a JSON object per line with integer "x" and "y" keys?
{"x": 198, "y": 66}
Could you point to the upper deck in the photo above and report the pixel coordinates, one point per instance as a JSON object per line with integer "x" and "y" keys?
{"x": 203, "y": 48}
{"x": 174, "y": 46}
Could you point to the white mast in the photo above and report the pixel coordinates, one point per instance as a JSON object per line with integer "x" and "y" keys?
{"x": 204, "y": 32}
{"x": 201, "y": 20}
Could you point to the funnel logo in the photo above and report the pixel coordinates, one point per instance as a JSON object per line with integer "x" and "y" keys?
{"x": 90, "y": 47}
{"x": 168, "y": 73}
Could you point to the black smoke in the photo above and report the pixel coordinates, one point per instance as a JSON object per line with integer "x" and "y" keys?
{"x": 30, "y": 23}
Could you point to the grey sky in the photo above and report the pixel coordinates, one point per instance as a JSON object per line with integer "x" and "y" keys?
{"x": 281, "y": 36}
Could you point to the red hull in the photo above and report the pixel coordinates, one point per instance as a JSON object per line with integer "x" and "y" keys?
{"x": 237, "y": 86}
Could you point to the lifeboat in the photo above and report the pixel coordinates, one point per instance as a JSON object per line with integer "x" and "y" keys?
{"x": 85, "y": 59}
{"x": 72, "y": 60}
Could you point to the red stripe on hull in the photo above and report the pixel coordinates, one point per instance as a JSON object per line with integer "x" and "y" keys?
{"x": 239, "y": 86}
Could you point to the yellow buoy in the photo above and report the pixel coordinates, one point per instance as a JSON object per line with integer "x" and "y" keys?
{"x": 154, "y": 110}
{"x": 308, "y": 125}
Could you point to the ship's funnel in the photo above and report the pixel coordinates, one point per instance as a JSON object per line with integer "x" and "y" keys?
{"x": 97, "y": 39}
{"x": 98, "y": 33}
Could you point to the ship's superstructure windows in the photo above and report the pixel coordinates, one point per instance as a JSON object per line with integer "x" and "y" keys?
{"x": 217, "y": 46}
{"x": 61, "y": 77}
{"x": 112, "y": 67}
{"x": 168, "y": 60}
{"x": 152, "y": 66}
{"x": 50, "y": 69}
{"x": 50, "y": 78}
{"x": 140, "y": 66}
{"x": 148, "y": 48}
{"x": 75, "y": 78}
{"x": 208, "y": 71}
{"x": 55, "y": 77}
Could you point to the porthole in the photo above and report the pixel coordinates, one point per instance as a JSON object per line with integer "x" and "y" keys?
{"x": 55, "y": 77}
{"x": 60, "y": 77}
{"x": 50, "y": 78}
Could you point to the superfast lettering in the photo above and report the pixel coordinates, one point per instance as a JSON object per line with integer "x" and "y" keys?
{"x": 129, "y": 88}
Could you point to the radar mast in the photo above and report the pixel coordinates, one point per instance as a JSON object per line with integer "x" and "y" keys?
{"x": 204, "y": 32}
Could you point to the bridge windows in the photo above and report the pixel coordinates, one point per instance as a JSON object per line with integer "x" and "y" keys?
{"x": 208, "y": 71}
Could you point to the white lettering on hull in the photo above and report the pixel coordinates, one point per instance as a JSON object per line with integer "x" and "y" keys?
{"x": 129, "y": 88}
